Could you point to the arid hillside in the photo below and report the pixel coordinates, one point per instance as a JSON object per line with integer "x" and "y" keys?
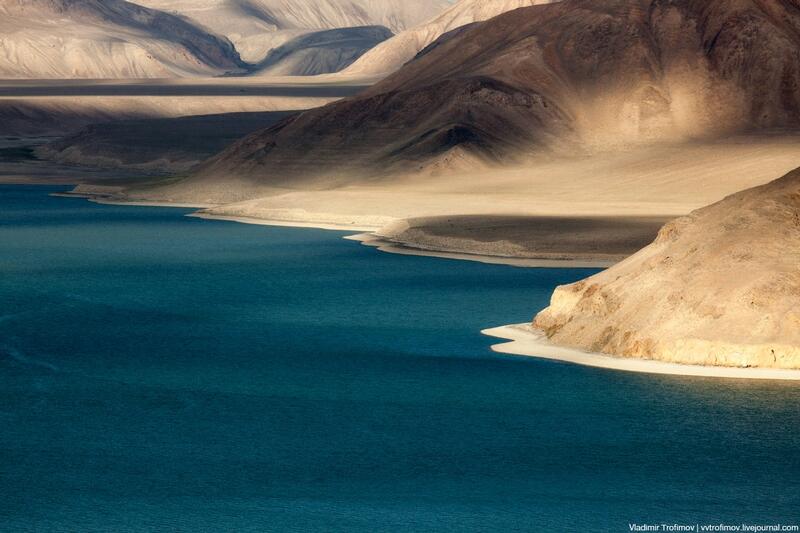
{"x": 106, "y": 39}
{"x": 578, "y": 76}
{"x": 321, "y": 52}
{"x": 719, "y": 287}
{"x": 389, "y": 56}
{"x": 258, "y": 26}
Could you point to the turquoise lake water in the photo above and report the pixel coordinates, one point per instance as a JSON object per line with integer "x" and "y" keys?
{"x": 165, "y": 373}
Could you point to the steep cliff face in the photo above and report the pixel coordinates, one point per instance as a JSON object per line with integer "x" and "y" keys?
{"x": 718, "y": 287}
{"x": 105, "y": 39}
{"x": 578, "y": 75}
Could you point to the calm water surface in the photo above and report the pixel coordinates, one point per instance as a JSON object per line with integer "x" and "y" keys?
{"x": 164, "y": 373}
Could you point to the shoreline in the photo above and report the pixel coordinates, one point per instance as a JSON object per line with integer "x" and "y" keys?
{"x": 367, "y": 236}
{"x": 96, "y": 199}
{"x": 100, "y": 199}
{"x": 282, "y": 223}
{"x": 523, "y": 340}
{"x": 384, "y": 245}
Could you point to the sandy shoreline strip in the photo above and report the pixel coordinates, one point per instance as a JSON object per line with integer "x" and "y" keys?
{"x": 98, "y": 199}
{"x": 384, "y": 245}
{"x": 284, "y": 223}
{"x": 367, "y": 237}
{"x": 526, "y": 341}
{"x": 206, "y": 216}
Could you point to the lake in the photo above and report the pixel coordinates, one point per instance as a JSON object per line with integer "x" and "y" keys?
{"x": 166, "y": 373}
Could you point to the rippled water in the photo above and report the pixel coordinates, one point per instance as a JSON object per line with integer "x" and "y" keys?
{"x": 163, "y": 373}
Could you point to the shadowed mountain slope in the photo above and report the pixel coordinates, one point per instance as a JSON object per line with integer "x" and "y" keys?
{"x": 576, "y": 75}
{"x": 105, "y": 39}
{"x": 258, "y": 26}
{"x": 389, "y": 56}
{"x": 321, "y": 52}
{"x": 163, "y": 144}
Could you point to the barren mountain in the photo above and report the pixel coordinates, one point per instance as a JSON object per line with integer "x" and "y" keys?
{"x": 389, "y": 56}
{"x": 161, "y": 144}
{"x": 578, "y": 75}
{"x": 258, "y": 26}
{"x": 62, "y": 107}
{"x": 719, "y": 287}
{"x": 105, "y": 39}
{"x": 321, "y": 52}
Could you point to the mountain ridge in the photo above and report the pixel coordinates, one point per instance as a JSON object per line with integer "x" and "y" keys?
{"x": 625, "y": 74}
{"x": 108, "y": 39}
{"x": 258, "y": 26}
{"x": 321, "y": 52}
{"x": 389, "y": 56}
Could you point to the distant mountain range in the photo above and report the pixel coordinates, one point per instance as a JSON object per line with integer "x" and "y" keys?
{"x": 575, "y": 76}
{"x": 122, "y": 39}
{"x": 258, "y": 26}
{"x": 105, "y": 39}
{"x": 395, "y": 52}
{"x": 321, "y": 52}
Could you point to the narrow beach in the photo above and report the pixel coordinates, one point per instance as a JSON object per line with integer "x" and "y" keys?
{"x": 526, "y": 341}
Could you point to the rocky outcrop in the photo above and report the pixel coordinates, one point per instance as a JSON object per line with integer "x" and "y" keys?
{"x": 719, "y": 287}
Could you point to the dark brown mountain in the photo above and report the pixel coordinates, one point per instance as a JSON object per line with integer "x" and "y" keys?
{"x": 574, "y": 75}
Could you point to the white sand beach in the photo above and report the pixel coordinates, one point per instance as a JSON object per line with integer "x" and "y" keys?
{"x": 285, "y": 223}
{"x": 527, "y": 341}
